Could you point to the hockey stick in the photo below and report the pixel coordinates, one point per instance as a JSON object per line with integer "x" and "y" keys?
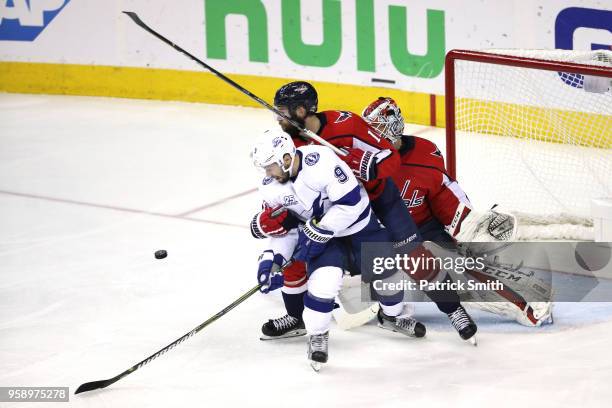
{"x": 237, "y": 86}
{"x": 89, "y": 386}
{"x": 347, "y": 321}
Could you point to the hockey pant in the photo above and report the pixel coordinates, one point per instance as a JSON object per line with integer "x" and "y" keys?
{"x": 325, "y": 277}
{"x": 393, "y": 214}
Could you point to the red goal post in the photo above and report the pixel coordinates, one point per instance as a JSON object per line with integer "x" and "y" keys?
{"x": 531, "y": 130}
{"x": 499, "y": 59}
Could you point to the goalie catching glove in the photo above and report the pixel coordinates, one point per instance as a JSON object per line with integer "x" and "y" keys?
{"x": 272, "y": 222}
{"x": 471, "y": 226}
{"x": 269, "y": 273}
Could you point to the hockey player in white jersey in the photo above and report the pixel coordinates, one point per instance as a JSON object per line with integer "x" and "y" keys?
{"x": 320, "y": 190}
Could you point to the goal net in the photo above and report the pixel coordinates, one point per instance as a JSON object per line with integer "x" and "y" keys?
{"x": 531, "y": 130}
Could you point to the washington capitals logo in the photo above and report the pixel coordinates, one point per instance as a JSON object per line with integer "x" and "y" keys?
{"x": 276, "y": 141}
{"x": 343, "y": 117}
{"x": 414, "y": 200}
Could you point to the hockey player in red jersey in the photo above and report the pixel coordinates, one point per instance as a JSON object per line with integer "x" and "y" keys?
{"x": 440, "y": 207}
{"x": 373, "y": 160}
{"x": 432, "y": 197}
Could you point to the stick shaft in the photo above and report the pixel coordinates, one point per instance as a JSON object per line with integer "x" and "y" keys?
{"x": 105, "y": 383}
{"x": 178, "y": 341}
{"x": 234, "y": 84}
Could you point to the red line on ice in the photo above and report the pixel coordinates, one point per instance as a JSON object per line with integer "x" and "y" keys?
{"x": 116, "y": 208}
{"x": 215, "y": 203}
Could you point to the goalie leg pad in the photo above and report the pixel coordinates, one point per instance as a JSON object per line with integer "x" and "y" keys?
{"x": 526, "y": 316}
{"x": 526, "y": 297}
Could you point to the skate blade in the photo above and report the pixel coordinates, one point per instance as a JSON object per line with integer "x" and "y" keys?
{"x": 295, "y": 333}
{"x": 316, "y": 366}
{"x": 410, "y": 336}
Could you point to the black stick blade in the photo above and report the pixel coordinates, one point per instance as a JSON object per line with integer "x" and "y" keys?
{"x": 94, "y": 385}
{"x": 139, "y": 22}
{"x": 133, "y": 16}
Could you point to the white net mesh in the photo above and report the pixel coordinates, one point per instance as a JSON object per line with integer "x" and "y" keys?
{"x": 532, "y": 140}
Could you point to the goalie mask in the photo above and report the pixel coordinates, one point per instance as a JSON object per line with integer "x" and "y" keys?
{"x": 271, "y": 149}
{"x": 386, "y": 117}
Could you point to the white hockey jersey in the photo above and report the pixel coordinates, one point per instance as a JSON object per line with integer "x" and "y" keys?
{"x": 325, "y": 188}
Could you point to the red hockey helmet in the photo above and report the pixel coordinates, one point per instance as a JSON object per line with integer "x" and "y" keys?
{"x": 386, "y": 117}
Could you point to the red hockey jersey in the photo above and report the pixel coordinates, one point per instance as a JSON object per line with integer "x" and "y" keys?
{"x": 347, "y": 129}
{"x": 424, "y": 185}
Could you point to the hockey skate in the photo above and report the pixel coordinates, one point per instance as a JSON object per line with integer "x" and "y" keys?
{"x": 282, "y": 328}
{"x": 317, "y": 350}
{"x": 463, "y": 323}
{"x": 401, "y": 324}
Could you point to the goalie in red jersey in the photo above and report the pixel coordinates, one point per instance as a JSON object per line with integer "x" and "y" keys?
{"x": 373, "y": 160}
{"x": 442, "y": 210}
{"x": 436, "y": 202}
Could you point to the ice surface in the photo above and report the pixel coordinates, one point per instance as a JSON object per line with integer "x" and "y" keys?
{"x": 90, "y": 188}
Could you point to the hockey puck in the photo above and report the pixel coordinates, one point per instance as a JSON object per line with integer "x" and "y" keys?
{"x": 161, "y": 254}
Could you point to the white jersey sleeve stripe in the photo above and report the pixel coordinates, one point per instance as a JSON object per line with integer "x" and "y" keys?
{"x": 362, "y": 217}
{"x": 353, "y": 197}
{"x": 453, "y": 186}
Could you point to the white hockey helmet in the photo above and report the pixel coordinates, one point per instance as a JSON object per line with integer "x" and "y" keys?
{"x": 386, "y": 117}
{"x": 271, "y": 147}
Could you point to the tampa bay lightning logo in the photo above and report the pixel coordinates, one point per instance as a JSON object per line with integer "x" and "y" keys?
{"x": 340, "y": 174}
{"x": 311, "y": 158}
{"x": 276, "y": 141}
{"x": 266, "y": 181}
